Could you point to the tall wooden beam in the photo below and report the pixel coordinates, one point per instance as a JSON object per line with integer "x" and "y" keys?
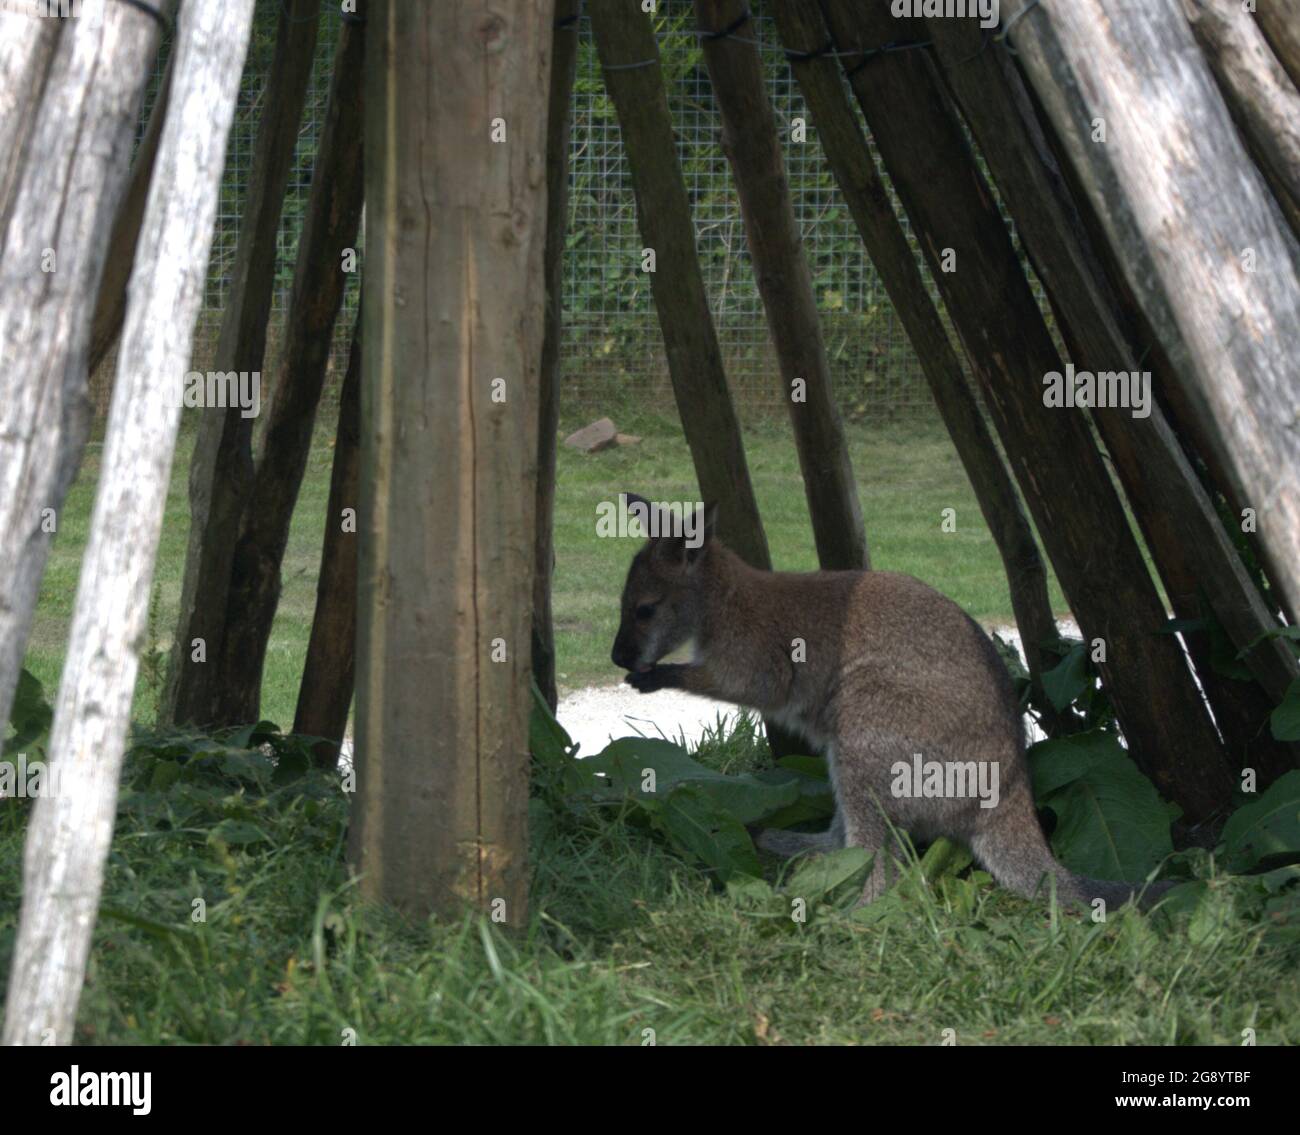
{"x": 71, "y": 828}
{"x": 221, "y": 470}
{"x": 629, "y": 54}
{"x": 559, "y": 114}
{"x": 1058, "y": 466}
{"x": 753, "y": 147}
{"x": 1183, "y": 532}
{"x": 58, "y": 211}
{"x": 320, "y": 278}
{"x": 453, "y": 313}
{"x": 329, "y": 672}
{"x": 1209, "y": 258}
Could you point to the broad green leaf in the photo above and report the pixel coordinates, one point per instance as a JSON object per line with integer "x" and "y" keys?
{"x": 31, "y": 714}
{"x": 816, "y": 800}
{"x": 1111, "y": 822}
{"x": 1269, "y": 826}
{"x": 698, "y": 826}
{"x": 626, "y": 764}
{"x": 818, "y": 876}
{"x": 1285, "y": 720}
{"x": 547, "y": 739}
{"x": 1068, "y": 679}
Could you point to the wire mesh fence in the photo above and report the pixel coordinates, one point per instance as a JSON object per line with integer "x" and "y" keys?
{"x": 611, "y": 347}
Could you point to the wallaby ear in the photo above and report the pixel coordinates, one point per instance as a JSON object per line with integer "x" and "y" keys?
{"x": 638, "y": 508}
{"x": 710, "y": 520}
{"x": 706, "y": 523}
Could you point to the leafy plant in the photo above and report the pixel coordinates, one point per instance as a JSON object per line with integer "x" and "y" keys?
{"x": 1110, "y": 821}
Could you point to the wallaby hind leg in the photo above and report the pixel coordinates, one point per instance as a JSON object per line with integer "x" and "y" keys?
{"x": 865, "y": 827}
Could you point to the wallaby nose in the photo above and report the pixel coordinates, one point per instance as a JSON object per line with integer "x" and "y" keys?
{"x": 621, "y": 656}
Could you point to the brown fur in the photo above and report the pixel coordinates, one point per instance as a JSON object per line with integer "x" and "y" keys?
{"x": 890, "y": 668}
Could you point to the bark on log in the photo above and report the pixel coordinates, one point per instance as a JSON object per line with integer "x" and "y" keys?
{"x": 750, "y": 141}
{"x": 110, "y": 306}
{"x": 329, "y": 674}
{"x": 564, "y": 65}
{"x": 629, "y": 56}
{"x": 329, "y": 230}
{"x": 1052, "y": 452}
{"x": 26, "y": 52}
{"x": 1190, "y": 549}
{"x": 1280, "y": 21}
{"x": 1216, "y": 271}
{"x": 221, "y": 470}
{"x": 455, "y": 227}
{"x": 52, "y": 260}
{"x": 804, "y": 31}
{"x": 1263, "y": 101}
{"x": 70, "y": 831}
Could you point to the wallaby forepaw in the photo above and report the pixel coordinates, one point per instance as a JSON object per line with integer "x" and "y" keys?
{"x": 656, "y": 678}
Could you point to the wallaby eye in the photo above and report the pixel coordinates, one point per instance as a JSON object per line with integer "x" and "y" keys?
{"x": 645, "y": 611}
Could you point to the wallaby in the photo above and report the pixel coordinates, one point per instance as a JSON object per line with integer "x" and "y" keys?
{"x": 871, "y": 667}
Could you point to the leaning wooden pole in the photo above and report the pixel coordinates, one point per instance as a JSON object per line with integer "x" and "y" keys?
{"x": 753, "y": 147}
{"x": 1216, "y": 272}
{"x": 629, "y": 56}
{"x": 26, "y": 53}
{"x": 1187, "y": 541}
{"x": 455, "y": 227}
{"x": 803, "y": 31}
{"x": 329, "y": 237}
{"x": 1056, "y": 462}
{"x": 68, "y": 838}
{"x": 329, "y": 672}
{"x": 51, "y": 259}
{"x": 221, "y": 470}
{"x": 110, "y": 305}
{"x": 559, "y": 114}
{"x": 1263, "y": 101}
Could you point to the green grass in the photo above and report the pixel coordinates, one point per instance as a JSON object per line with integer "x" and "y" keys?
{"x": 623, "y": 937}
{"x": 907, "y": 474}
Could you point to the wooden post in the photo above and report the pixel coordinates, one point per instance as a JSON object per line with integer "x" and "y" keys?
{"x": 629, "y": 56}
{"x": 26, "y": 52}
{"x": 1264, "y": 102}
{"x": 1056, "y": 462}
{"x": 455, "y": 226}
{"x": 1182, "y": 530}
{"x": 221, "y": 470}
{"x": 70, "y": 831}
{"x": 320, "y": 277}
{"x": 804, "y": 31}
{"x": 1206, "y": 254}
{"x": 110, "y": 306}
{"x": 1280, "y": 21}
{"x": 329, "y": 673}
{"x": 564, "y": 66}
{"x": 749, "y": 138}
{"x": 50, "y": 267}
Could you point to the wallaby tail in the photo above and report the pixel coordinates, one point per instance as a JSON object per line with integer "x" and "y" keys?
{"x": 1014, "y": 851}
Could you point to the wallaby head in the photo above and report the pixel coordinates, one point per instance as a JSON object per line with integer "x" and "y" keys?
{"x": 663, "y": 595}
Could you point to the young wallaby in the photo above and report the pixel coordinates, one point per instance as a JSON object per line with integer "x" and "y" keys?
{"x": 896, "y": 684}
